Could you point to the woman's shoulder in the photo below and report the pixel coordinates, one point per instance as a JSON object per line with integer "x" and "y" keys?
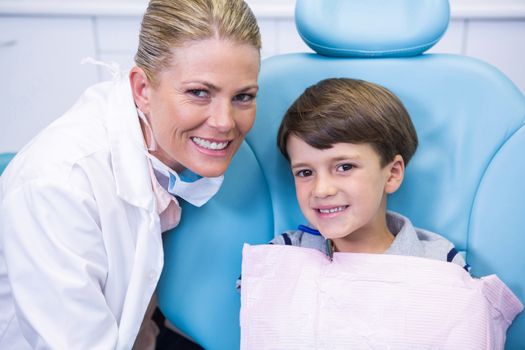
{"x": 79, "y": 136}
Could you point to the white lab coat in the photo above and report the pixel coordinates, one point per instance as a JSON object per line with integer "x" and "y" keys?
{"x": 80, "y": 238}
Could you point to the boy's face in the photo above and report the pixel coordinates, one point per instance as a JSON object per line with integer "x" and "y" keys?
{"x": 342, "y": 190}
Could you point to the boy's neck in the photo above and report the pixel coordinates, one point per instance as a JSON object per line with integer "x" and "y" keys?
{"x": 367, "y": 240}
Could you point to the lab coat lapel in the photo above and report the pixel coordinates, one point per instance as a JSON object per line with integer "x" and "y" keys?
{"x": 130, "y": 164}
{"x": 133, "y": 184}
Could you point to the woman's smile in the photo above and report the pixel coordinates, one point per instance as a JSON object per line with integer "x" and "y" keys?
{"x": 212, "y": 147}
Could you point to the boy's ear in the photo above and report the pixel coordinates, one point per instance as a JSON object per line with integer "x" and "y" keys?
{"x": 396, "y": 173}
{"x": 140, "y": 87}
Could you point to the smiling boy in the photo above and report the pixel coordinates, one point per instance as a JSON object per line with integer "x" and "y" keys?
{"x": 348, "y": 142}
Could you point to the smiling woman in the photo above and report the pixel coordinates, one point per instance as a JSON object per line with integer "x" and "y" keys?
{"x": 83, "y": 224}
{"x": 199, "y": 117}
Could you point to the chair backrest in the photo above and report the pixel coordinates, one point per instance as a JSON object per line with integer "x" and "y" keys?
{"x": 465, "y": 181}
{"x": 202, "y": 256}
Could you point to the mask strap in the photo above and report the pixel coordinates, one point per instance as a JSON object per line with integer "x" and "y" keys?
{"x": 149, "y": 130}
{"x": 112, "y": 67}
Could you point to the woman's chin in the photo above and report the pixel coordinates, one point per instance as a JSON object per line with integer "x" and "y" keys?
{"x": 210, "y": 168}
{"x": 211, "y": 163}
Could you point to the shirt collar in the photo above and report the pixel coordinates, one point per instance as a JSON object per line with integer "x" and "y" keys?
{"x": 406, "y": 241}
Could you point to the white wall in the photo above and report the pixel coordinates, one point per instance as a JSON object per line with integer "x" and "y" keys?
{"x": 42, "y": 43}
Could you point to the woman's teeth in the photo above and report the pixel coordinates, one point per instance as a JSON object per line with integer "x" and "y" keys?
{"x": 210, "y": 145}
{"x": 332, "y": 210}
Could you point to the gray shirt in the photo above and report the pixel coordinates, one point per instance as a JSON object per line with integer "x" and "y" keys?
{"x": 408, "y": 240}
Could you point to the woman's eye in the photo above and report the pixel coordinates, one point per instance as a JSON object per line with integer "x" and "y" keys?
{"x": 198, "y": 93}
{"x": 345, "y": 167}
{"x": 303, "y": 173}
{"x": 244, "y": 98}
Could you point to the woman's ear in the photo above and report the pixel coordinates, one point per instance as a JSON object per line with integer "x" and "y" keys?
{"x": 140, "y": 87}
{"x": 395, "y": 174}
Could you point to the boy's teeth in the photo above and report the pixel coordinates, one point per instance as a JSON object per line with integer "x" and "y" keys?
{"x": 210, "y": 145}
{"x": 331, "y": 210}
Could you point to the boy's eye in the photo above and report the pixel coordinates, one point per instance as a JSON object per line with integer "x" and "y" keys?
{"x": 303, "y": 173}
{"x": 244, "y": 97}
{"x": 198, "y": 93}
{"x": 345, "y": 167}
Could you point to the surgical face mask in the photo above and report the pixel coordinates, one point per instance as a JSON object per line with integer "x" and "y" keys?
{"x": 193, "y": 188}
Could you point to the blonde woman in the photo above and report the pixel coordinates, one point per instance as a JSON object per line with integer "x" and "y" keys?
{"x": 84, "y": 204}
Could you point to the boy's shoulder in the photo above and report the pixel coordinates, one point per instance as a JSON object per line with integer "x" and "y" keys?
{"x": 300, "y": 238}
{"x": 410, "y": 240}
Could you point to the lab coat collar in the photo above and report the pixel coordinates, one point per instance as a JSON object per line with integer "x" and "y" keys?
{"x": 130, "y": 165}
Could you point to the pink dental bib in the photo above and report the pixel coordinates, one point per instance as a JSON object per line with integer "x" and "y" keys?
{"x": 295, "y": 298}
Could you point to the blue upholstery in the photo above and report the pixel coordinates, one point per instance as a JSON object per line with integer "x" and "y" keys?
{"x": 465, "y": 181}
{"x": 371, "y": 28}
{"x": 4, "y": 160}
{"x": 203, "y": 255}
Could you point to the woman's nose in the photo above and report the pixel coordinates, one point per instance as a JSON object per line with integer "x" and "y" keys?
{"x": 222, "y": 117}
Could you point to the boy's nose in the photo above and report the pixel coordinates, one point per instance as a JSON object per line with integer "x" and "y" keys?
{"x": 324, "y": 187}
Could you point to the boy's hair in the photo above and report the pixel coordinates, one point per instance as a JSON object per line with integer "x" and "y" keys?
{"x": 342, "y": 110}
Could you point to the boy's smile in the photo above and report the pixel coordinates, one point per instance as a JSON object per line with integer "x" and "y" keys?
{"x": 331, "y": 211}
{"x": 342, "y": 192}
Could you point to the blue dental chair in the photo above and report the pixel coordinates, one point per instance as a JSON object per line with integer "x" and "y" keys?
{"x": 4, "y": 160}
{"x": 465, "y": 181}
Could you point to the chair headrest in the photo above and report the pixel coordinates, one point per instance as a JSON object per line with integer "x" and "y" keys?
{"x": 371, "y": 28}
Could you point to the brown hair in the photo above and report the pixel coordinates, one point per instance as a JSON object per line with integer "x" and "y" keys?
{"x": 342, "y": 110}
{"x": 170, "y": 23}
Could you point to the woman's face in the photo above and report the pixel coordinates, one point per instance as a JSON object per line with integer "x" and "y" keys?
{"x": 203, "y": 104}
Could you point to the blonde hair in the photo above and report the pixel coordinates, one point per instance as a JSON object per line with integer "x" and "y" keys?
{"x": 170, "y": 23}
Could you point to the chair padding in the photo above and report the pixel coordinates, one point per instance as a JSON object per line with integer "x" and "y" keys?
{"x": 202, "y": 256}
{"x": 371, "y": 28}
